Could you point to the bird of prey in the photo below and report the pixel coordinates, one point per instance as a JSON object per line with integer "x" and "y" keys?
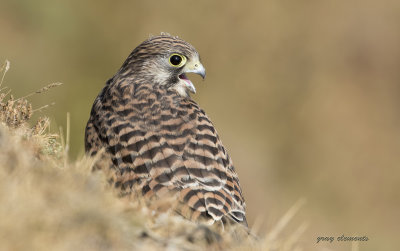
{"x": 158, "y": 141}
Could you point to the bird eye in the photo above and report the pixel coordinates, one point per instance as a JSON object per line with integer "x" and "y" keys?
{"x": 177, "y": 60}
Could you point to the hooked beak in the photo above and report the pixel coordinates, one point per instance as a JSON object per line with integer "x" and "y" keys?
{"x": 196, "y": 67}
{"x": 192, "y": 67}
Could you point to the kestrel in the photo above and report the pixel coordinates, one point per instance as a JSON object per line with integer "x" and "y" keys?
{"x": 158, "y": 140}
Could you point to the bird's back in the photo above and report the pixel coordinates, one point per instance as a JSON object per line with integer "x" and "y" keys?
{"x": 161, "y": 143}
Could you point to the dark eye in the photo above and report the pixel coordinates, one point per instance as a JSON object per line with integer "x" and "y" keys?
{"x": 177, "y": 60}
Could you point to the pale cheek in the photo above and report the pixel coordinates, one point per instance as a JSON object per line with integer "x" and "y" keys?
{"x": 158, "y": 72}
{"x": 161, "y": 77}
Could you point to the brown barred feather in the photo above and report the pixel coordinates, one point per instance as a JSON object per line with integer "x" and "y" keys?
{"x": 159, "y": 141}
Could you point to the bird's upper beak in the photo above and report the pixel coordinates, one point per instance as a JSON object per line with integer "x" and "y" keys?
{"x": 195, "y": 67}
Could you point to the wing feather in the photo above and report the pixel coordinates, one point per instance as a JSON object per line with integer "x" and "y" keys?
{"x": 166, "y": 145}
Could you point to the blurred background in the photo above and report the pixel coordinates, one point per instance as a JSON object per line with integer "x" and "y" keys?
{"x": 304, "y": 94}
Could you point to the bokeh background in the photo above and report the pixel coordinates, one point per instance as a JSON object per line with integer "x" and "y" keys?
{"x": 305, "y": 94}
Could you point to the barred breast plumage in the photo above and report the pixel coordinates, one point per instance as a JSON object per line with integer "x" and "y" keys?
{"x": 159, "y": 141}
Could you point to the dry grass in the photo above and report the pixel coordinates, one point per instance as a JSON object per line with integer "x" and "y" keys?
{"x": 47, "y": 203}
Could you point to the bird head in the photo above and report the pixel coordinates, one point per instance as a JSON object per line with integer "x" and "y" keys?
{"x": 165, "y": 61}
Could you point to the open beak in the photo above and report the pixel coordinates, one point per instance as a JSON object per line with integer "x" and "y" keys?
{"x": 192, "y": 67}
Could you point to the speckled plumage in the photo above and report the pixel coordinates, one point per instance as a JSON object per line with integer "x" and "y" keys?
{"x": 159, "y": 141}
